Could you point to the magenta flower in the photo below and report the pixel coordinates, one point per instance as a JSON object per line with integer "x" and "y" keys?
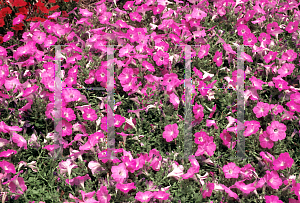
{"x": 119, "y": 120}
{"x": 19, "y": 19}
{"x": 8, "y": 36}
{"x": 231, "y": 170}
{"x": 293, "y": 106}
{"x": 273, "y": 199}
{"x": 85, "y": 12}
{"x": 70, "y": 95}
{"x": 198, "y": 111}
{"x": 271, "y": 56}
{"x": 68, "y": 114}
{"x": 126, "y": 75}
{"x": 161, "y": 58}
{"x": 218, "y": 58}
{"x": 252, "y": 127}
{"x": 7, "y": 167}
{"x": 95, "y": 167}
{"x": 276, "y": 131}
{"x": 171, "y": 132}
{"x": 89, "y": 114}
{"x": 257, "y": 83}
{"x": 17, "y": 185}
{"x": 66, "y": 128}
{"x": 119, "y": 173}
{"x": 208, "y": 191}
{"x": 19, "y": 140}
{"x": 273, "y": 179}
{"x": 249, "y": 39}
{"x": 261, "y": 109}
{"x": 39, "y": 37}
{"x": 207, "y": 148}
{"x": 273, "y": 29}
{"x": 276, "y": 108}
{"x": 292, "y": 27}
{"x": 246, "y": 189}
{"x": 79, "y": 180}
{"x": 174, "y": 100}
{"x": 102, "y": 195}
{"x": 286, "y": 69}
{"x": 8, "y": 153}
{"x": 125, "y": 187}
{"x": 246, "y": 57}
{"x": 243, "y": 30}
{"x": 162, "y": 195}
{"x": 144, "y": 196}
{"x": 227, "y": 139}
{"x": 264, "y": 38}
{"x": 204, "y": 49}
{"x": 265, "y": 141}
{"x": 131, "y": 85}
{"x": 105, "y": 17}
{"x": 135, "y": 16}
{"x": 148, "y": 66}
{"x": 284, "y": 161}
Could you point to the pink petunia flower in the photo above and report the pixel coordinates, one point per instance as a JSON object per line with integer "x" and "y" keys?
{"x": 119, "y": 173}
{"x": 257, "y": 83}
{"x": 171, "y": 132}
{"x": 161, "y": 58}
{"x": 243, "y": 30}
{"x": 7, "y": 153}
{"x": 8, "y": 36}
{"x": 272, "y": 199}
{"x": 273, "y": 29}
{"x": 276, "y": 131}
{"x": 102, "y": 195}
{"x": 162, "y": 195}
{"x": 292, "y": 27}
{"x": 252, "y": 127}
{"x": 208, "y": 148}
{"x": 71, "y": 95}
{"x": 227, "y": 139}
{"x": 144, "y": 196}
{"x": 261, "y": 109}
{"x": 119, "y": 120}
{"x": 249, "y": 39}
{"x": 271, "y": 56}
{"x": 289, "y": 55}
{"x": 218, "y": 58}
{"x": 273, "y": 180}
{"x": 204, "y": 49}
{"x": 284, "y": 161}
{"x": 79, "y": 180}
{"x": 177, "y": 171}
{"x": 198, "y": 111}
{"x": 246, "y": 189}
{"x": 286, "y": 69}
{"x": 89, "y": 114}
{"x": 135, "y": 16}
{"x": 39, "y": 37}
{"x": 265, "y": 141}
{"x": 208, "y": 191}
{"x": 264, "y": 38}
{"x": 231, "y": 170}
{"x": 148, "y": 66}
{"x": 276, "y": 108}
{"x": 19, "y": 19}
{"x": 7, "y": 167}
{"x": 68, "y": 114}
{"x": 174, "y": 100}
{"x": 125, "y": 187}
{"x": 67, "y": 166}
{"x": 19, "y": 140}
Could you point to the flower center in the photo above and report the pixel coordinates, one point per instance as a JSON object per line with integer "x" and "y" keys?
{"x": 200, "y": 139}
{"x": 275, "y": 130}
{"x": 230, "y": 171}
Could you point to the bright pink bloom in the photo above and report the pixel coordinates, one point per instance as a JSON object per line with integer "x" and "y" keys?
{"x": 249, "y": 39}
{"x": 292, "y": 27}
{"x": 271, "y": 56}
{"x": 198, "y": 111}
{"x": 265, "y": 141}
{"x": 171, "y": 132}
{"x": 218, "y": 58}
{"x": 249, "y": 15}
{"x": 89, "y": 114}
{"x": 261, "y": 109}
{"x": 276, "y": 131}
{"x": 7, "y": 167}
{"x": 207, "y": 148}
{"x": 208, "y": 191}
{"x": 39, "y": 37}
{"x": 144, "y": 197}
{"x": 125, "y": 187}
{"x": 119, "y": 173}
{"x": 276, "y": 108}
{"x": 252, "y": 127}
{"x": 246, "y": 172}
{"x": 229, "y": 192}
{"x": 71, "y": 95}
{"x": 246, "y": 189}
{"x": 19, "y": 140}
{"x": 272, "y": 199}
{"x": 68, "y": 114}
{"x": 289, "y": 55}
{"x": 231, "y": 170}
{"x": 286, "y": 69}
{"x": 204, "y": 49}
{"x": 7, "y": 153}
{"x": 273, "y": 179}
{"x": 147, "y": 65}
{"x": 264, "y": 38}
{"x": 273, "y": 29}
{"x": 162, "y": 195}
{"x": 66, "y": 128}
{"x": 119, "y": 120}
{"x": 243, "y": 30}
{"x": 174, "y": 100}
{"x": 161, "y": 58}
{"x": 284, "y": 161}
{"x": 102, "y": 195}
{"x": 293, "y": 106}
{"x": 257, "y": 83}
{"x": 79, "y": 180}
{"x": 135, "y": 16}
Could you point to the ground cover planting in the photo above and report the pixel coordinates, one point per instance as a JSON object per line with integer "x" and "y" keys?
{"x": 149, "y": 101}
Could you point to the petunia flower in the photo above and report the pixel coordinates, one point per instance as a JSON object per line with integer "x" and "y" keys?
{"x": 7, "y": 167}
{"x": 231, "y": 170}
{"x": 286, "y": 69}
{"x": 273, "y": 29}
{"x": 261, "y": 109}
{"x": 251, "y": 127}
{"x": 19, "y": 140}
{"x": 246, "y": 189}
{"x": 125, "y": 187}
{"x": 265, "y": 141}
{"x": 198, "y": 111}
{"x": 270, "y": 56}
{"x": 204, "y": 49}
{"x": 218, "y": 58}
{"x": 276, "y": 131}
{"x": 243, "y": 30}
{"x": 292, "y": 27}
{"x": 209, "y": 187}
{"x": 177, "y": 171}
{"x": 70, "y": 95}
{"x": 273, "y": 180}
{"x": 264, "y": 38}
{"x": 89, "y": 114}
{"x": 102, "y": 195}
{"x": 144, "y": 196}
{"x": 284, "y": 161}
{"x": 161, "y": 58}
{"x": 119, "y": 173}
{"x": 67, "y": 166}
{"x": 249, "y": 39}
{"x": 39, "y": 37}
{"x": 273, "y": 199}
{"x": 171, "y": 132}
{"x": 174, "y": 100}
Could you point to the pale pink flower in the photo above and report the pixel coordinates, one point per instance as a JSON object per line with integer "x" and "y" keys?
{"x": 119, "y": 173}
{"x": 67, "y": 166}
{"x": 144, "y": 196}
{"x": 102, "y": 195}
{"x": 177, "y": 171}
{"x": 19, "y": 140}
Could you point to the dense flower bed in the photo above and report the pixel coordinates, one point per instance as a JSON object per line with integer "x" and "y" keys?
{"x": 151, "y": 110}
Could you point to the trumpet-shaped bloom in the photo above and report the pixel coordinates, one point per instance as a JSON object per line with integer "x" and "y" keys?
{"x": 177, "y": 171}
{"x": 292, "y": 27}
{"x": 125, "y": 187}
{"x": 273, "y": 199}
{"x": 218, "y": 58}
{"x": 102, "y": 195}
{"x": 7, "y": 167}
{"x": 243, "y": 30}
{"x": 89, "y": 114}
{"x": 171, "y": 132}
{"x": 144, "y": 196}
{"x": 19, "y": 140}
{"x": 203, "y": 51}
{"x": 273, "y": 180}
{"x": 231, "y": 170}
{"x": 261, "y": 109}
{"x": 119, "y": 173}
{"x": 284, "y": 161}
{"x": 198, "y": 111}
{"x": 67, "y": 166}
{"x": 265, "y": 141}
{"x": 276, "y": 131}
{"x": 161, "y": 58}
